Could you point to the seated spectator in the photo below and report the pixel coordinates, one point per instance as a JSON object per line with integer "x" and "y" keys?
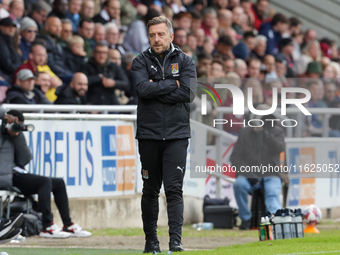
{"x": 312, "y": 52}
{"x": 112, "y": 37}
{"x": 180, "y": 37}
{"x": 39, "y": 13}
{"x": 109, "y": 13}
{"x": 270, "y": 64}
{"x": 136, "y": 38}
{"x": 10, "y": 60}
{"x": 260, "y": 10}
{"x": 28, "y": 31}
{"x": 42, "y": 82}
{"x": 16, "y": 10}
{"x": 209, "y": 24}
{"x": 241, "y": 51}
{"x": 126, "y": 66}
{"x": 249, "y": 39}
{"x": 37, "y": 63}
{"x": 224, "y": 47}
{"x": 19, "y": 154}
{"x": 225, "y": 18}
{"x": 75, "y": 92}
{"x": 86, "y": 31}
{"x": 87, "y": 10}
{"x": 260, "y": 48}
{"x": 74, "y": 7}
{"x": 204, "y": 61}
{"x": 253, "y": 142}
{"x": 98, "y": 35}
{"x": 104, "y": 77}
{"x": 241, "y": 68}
{"x": 314, "y": 70}
{"x": 273, "y": 31}
{"x": 314, "y": 122}
{"x": 238, "y": 12}
{"x": 49, "y": 38}
{"x": 254, "y": 66}
{"x": 115, "y": 57}
{"x": 59, "y": 10}
{"x": 200, "y": 36}
{"x": 66, "y": 32}
{"x": 286, "y": 49}
{"x": 24, "y": 92}
{"x": 183, "y": 20}
{"x": 208, "y": 46}
{"x": 75, "y": 54}
{"x": 229, "y": 66}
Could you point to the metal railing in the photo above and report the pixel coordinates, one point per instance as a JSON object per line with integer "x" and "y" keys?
{"x": 43, "y": 108}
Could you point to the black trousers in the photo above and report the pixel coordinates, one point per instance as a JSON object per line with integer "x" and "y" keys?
{"x": 163, "y": 161}
{"x": 30, "y": 184}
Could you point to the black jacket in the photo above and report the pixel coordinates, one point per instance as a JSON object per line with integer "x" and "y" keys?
{"x": 10, "y": 60}
{"x": 65, "y": 96}
{"x": 249, "y": 148}
{"x": 163, "y": 108}
{"x": 55, "y": 55}
{"x": 99, "y": 19}
{"x": 17, "y": 95}
{"x": 73, "y": 61}
{"x": 97, "y": 93}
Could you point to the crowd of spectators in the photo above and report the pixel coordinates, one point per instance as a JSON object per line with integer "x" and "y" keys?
{"x": 244, "y": 41}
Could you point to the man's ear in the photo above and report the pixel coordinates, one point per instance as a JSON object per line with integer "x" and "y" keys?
{"x": 30, "y": 56}
{"x": 171, "y": 37}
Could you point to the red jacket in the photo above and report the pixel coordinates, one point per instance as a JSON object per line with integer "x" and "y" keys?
{"x": 258, "y": 21}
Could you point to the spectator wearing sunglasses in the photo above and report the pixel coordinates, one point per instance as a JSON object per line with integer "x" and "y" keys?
{"x": 28, "y": 31}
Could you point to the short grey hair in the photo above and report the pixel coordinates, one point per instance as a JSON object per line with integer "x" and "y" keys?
{"x": 260, "y": 38}
{"x": 66, "y": 21}
{"x": 110, "y": 25}
{"x": 209, "y": 10}
{"x": 161, "y": 20}
{"x": 41, "y": 6}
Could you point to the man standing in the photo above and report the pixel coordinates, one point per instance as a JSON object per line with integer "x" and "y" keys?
{"x": 162, "y": 75}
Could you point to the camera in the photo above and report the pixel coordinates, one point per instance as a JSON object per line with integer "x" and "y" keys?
{"x": 268, "y": 124}
{"x": 15, "y": 127}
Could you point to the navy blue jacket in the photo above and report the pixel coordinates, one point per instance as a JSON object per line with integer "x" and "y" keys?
{"x": 25, "y": 47}
{"x": 273, "y": 37}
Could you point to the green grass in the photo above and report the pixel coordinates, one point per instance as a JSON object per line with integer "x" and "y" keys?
{"x": 327, "y": 240}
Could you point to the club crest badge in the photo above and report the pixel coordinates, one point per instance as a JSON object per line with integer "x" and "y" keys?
{"x": 174, "y": 68}
{"x": 145, "y": 174}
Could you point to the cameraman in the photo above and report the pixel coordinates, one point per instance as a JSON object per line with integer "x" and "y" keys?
{"x": 256, "y": 146}
{"x": 30, "y": 184}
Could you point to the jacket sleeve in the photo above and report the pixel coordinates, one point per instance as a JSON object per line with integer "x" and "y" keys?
{"x": 274, "y": 138}
{"x": 122, "y": 81}
{"x": 93, "y": 79}
{"x": 146, "y": 89}
{"x": 6, "y": 64}
{"x": 23, "y": 153}
{"x": 187, "y": 90}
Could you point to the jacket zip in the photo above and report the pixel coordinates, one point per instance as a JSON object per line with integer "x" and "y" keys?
{"x": 162, "y": 67}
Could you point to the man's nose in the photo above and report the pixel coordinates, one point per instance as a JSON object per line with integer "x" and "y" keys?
{"x": 157, "y": 38}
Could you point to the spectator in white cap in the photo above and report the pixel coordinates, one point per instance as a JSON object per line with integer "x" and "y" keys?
{"x": 28, "y": 31}
{"x": 24, "y": 92}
